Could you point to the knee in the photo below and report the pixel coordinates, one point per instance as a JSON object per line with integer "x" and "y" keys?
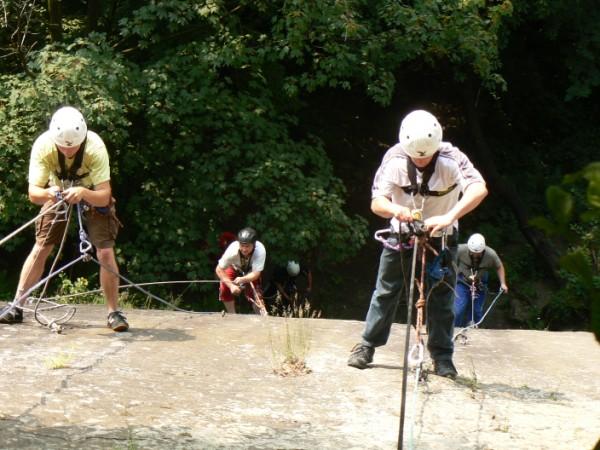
{"x": 41, "y": 250}
{"x": 105, "y": 255}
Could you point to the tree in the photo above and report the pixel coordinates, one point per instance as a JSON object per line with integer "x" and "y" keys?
{"x": 580, "y": 261}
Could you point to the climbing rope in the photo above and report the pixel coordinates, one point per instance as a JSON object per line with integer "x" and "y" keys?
{"x": 462, "y": 333}
{"x": 61, "y": 211}
{"x": 258, "y": 301}
{"x": 126, "y": 286}
{"x": 415, "y": 356}
{"x": 22, "y": 227}
{"x": 85, "y": 248}
{"x": 403, "y": 237}
{"x": 63, "y": 214}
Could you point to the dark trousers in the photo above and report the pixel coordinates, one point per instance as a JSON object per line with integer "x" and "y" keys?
{"x": 393, "y": 280}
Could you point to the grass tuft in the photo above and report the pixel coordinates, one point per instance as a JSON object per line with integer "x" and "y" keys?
{"x": 290, "y": 340}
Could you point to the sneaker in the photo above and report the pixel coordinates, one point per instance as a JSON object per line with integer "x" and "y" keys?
{"x": 445, "y": 368}
{"x": 15, "y": 315}
{"x": 361, "y": 356}
{"x": 117, "y": 321}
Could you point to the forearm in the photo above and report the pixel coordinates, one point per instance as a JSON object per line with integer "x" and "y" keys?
{"x": 472, "y": 197}
{"x": 383, "y": 207}
{"x": 100, "y": 196}
{"x": 249, "y": 277}
{"x": 39, "y": 195}
{"x": 502, "y": 275}
{"x": 96, "y": 198}
{"x": 222, "y": 275}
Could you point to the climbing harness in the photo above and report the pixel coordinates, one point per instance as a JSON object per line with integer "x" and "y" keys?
{"x": 70, "y": 174}
{"x": 423, "y": 188}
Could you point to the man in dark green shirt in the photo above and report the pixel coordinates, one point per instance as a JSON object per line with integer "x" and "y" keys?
{"x": 474, "y": 259}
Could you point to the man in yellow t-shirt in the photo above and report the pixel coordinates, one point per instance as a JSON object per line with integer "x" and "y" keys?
{"x": 70, "y": 161}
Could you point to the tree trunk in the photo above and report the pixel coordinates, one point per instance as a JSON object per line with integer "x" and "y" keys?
{"x": 507, "y": 191}
{"x": 55, "y": 19}
{"x": 94, "y": 11}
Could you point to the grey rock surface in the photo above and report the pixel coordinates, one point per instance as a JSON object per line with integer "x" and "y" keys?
{"x": 183, "y": 381}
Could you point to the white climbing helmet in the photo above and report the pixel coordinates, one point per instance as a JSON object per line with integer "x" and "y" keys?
{"x": 67, "y": 127}
{"x": 420, "y": 134}
{"x": 476, "y": 243}
{"x": 293, "y": 268}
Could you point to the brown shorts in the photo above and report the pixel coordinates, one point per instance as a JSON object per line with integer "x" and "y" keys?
{"x": 102, "y": 229}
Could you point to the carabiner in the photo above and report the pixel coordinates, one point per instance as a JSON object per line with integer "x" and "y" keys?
{"x": 415, "y": 356}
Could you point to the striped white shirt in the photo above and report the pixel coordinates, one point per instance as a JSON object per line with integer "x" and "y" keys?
{"x": 452, "y": 167}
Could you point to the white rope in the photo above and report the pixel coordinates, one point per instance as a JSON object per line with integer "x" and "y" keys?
{"x": 462, "y": 332}
{"x": 126, "y": 286}
{"x": 15, "y": 303}
{"x": 415, "y": 400}
{"x": 22, "y": 227}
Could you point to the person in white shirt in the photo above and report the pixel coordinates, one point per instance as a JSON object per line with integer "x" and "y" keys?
{"x": 435, "y": 178}
{"x": 240, "y": 269}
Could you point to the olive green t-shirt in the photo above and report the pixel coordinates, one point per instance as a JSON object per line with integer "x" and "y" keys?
{"x": 44, "y": 165}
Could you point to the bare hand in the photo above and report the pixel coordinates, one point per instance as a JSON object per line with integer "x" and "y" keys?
{"x": 235, "y": 289}
{"x": 402, "y": 213}
{"x": 437, "y": 223}
{"x": 53, "y": 193}
{"x": 73, "y": 195}
{"x": 504, "y": 287}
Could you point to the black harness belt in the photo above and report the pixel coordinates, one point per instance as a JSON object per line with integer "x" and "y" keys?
{"x": 415, "y": 188}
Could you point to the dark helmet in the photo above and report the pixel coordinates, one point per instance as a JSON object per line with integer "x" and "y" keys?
{"x": 247, "y": 236}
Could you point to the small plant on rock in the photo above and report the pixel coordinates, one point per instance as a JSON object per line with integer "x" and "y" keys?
{"x": 290, "y": 343}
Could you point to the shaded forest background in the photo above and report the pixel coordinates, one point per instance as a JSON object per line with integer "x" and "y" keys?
{"x": 275, "y": 114}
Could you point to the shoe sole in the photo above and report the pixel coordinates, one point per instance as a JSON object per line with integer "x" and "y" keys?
{"x": 122, "y": 327}
{"x": 359, "y": 366}
{"x": 11, "y": 322}
{"x": 447, "y": 375}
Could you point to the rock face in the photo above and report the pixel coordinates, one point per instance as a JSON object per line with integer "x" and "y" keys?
{"x": 178, "y": 380}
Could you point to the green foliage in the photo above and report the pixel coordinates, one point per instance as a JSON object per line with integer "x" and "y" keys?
{"x": 78, "y": 289}
{"x": 208, "y": 109}
{"x": 580, "y": 296}
{"x": 19, "y": 25}
{"x": 208, "y": 146}
{"x": 341, "y": 44}
{"x": 62, "y": 75}
{"x": 560, "y": 203}
{"x": 571, "y": 30}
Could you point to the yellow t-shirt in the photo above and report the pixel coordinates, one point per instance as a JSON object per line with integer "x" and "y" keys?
{"x": 44, "y": 165}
